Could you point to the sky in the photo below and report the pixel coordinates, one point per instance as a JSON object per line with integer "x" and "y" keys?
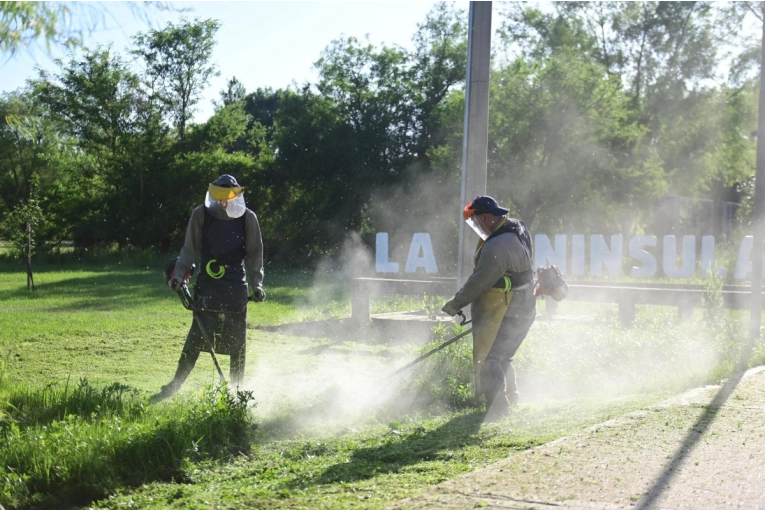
{"x": 263, "y": 44}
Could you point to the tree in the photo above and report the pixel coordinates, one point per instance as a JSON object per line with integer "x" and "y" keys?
{"x": 665, "y": 56}
{"x": 559, "y": 138}
{"x": 95, "y": 97}
{"x": 94, "y": 101}
{"x": 317, "y": 166}
{"x": 27, "y": 139}
{"x": 439, "y": 63}
{"x": 233, "y": 93}
{"x": 178, "y": 66}
{"x": 63, "y": 24}
{"x": 20, "y": 227}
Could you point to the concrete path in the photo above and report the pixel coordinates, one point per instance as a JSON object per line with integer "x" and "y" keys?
{"x": 704, "y": 449}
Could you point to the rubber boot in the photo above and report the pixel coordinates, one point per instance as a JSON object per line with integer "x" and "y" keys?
{"x": 167, "y": 391}
{"x": 185, "y": 365}
{"x": 499, "y": 408}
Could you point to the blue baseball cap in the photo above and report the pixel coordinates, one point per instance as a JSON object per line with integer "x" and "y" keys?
{"x": 484, "y": 204}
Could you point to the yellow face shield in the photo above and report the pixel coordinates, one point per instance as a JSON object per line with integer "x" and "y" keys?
{"x": 219, "y": 193}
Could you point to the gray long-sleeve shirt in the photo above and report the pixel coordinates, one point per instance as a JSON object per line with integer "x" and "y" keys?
{"x": 253, "y": 244}
{"x": 499, "y": 256}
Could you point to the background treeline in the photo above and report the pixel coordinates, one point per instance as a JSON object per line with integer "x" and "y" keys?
{"x": 596, "y": 110}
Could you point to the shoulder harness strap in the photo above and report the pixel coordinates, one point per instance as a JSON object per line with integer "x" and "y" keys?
{"x": 515, "y": 280}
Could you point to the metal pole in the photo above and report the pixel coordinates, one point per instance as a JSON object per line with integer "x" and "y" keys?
{"x": 759, "y": 203}
{"x": 475, "y": 139}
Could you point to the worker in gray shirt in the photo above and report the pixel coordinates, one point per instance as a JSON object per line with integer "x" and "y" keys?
{"x": 225, "y": 236}
{"x": 501, "y": 294}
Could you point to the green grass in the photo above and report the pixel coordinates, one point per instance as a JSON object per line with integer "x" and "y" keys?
{"x": 70, "y": 446}
{"x": 323, "y": 427}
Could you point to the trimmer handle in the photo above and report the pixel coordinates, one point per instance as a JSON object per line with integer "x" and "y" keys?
{"x": 189, "y": 304}
{"x": 463, "y": 320}
{"x": 186, "y": 300}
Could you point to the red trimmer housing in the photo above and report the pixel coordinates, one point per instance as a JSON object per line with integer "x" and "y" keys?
{"x": 170, "y": 271}
{"x": 550, "y": 282}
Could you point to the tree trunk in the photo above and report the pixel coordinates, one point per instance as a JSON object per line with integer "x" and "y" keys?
{"x": 30, "y": 276}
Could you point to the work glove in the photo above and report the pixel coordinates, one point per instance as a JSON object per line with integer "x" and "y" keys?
{"x": 258, "y": 295}
{"x": 450, "y": 308}
{"x": 175, "y": 283}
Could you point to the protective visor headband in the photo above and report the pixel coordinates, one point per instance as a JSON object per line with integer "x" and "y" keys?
{"x": 220, "y": 193}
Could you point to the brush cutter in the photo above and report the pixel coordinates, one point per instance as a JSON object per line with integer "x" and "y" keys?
{"x": 435, "y": 350}
{"x": 189, "y": 304}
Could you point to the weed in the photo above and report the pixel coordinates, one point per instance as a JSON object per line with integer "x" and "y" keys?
{"x": 713, "y": 302}
{"x": 445, "y": 379}
{"x": 432, "y": 305}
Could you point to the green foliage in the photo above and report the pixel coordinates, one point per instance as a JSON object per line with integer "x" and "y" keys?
{"x": 63, "y": 24}
{"x": 96, "y": 441}
{"x": 597, "y": 109}
{"x": 20, "y": 228}
{"x": 560, "y": 117}
{"x": 445, "y": 380}
{"x": 665, "y": 132}
{"x": 432, "y": 305}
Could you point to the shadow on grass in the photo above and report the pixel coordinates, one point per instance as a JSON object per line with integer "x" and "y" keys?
{"x": 108, "y": 291}
{"x": 73, "y": 461}
{"x": 101, "y": 291}
{"x": 697, "y": 431}
{"x": 146, "y": 459}
{"x": 397, "y": 452}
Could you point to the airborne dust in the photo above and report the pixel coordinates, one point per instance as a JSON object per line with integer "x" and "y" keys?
{"x": 338, "y": 373}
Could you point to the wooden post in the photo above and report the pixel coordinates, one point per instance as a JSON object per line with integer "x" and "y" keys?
{"x": 30, "y": 277}
{"x": 359, "y": 303}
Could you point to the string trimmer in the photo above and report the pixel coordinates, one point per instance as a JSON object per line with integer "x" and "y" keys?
{"x": 188, "y": 303}
{"x": 435, "y": 350}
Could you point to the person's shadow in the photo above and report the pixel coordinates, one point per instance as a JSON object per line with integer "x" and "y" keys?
{"x": 696, "y": 433}
{"x": 395, "y": 452}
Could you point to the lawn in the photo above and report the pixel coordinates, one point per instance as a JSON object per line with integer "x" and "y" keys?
{"x": 320, "y": 422}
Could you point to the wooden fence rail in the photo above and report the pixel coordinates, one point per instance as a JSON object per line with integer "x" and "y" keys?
{"x": 685, "y": 297}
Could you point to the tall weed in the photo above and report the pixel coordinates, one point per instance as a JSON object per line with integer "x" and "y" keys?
{"x": 50, "y": 456}
{"x": 444, "y": 380}
{"x": 714, "y": 312}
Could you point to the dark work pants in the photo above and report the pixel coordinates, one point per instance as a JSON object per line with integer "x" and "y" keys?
{"x": 227, "y": 332}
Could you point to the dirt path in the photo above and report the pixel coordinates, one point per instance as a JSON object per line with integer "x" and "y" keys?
{"x": 704, "y": 449}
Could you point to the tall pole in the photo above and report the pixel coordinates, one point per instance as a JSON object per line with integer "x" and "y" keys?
{"x": 475, "y": 140}
{"x": 759, "y": 202}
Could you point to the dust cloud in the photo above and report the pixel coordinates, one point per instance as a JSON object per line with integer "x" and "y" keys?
{"x": 340, "y": 375}
{"x": 582, "y": 354}
{"x": 591, "y": 358}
